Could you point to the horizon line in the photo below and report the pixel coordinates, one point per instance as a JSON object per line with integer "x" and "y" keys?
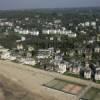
{"x": 44, "y": 8}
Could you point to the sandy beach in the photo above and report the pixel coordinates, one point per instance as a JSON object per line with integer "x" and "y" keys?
{"x": 32, "y": 80}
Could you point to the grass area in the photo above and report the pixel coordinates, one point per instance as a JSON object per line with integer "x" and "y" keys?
{"x": 74, "y": 75}
{"x": 92, "y": 94}
{"x": 77, "y": 76}
{"x": 37, "y": 66}
{"x": 71, "y": 74}
{"x": 98, "y": 81}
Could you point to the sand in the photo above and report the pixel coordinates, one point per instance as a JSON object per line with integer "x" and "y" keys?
{"x": 32, "y": 80}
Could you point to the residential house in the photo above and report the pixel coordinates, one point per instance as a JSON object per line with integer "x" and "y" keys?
{"x": 19, "y": 46}
{"x": 7, "y": 56}
{"x": 27, "y": 61}
{"x": 87, "y": 73}
{"x": 93, "y": 23}
{"x": 72, "y": 35}
{"x": 44, "y": 53}
{"x": 97, "y": 49}
{"x": 98, "y": 37}
{"x": 87, "y": 24}
{"x": 74, "y": 67}
{"x": 61, "y": 67}
{"x": 97, "y": 76}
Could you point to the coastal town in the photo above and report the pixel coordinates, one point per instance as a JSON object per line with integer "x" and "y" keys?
{"x": 46, "y": 41}
{"x": 56, "y": 41}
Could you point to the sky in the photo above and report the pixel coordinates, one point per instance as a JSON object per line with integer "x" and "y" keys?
{"x": 31, "y": 4}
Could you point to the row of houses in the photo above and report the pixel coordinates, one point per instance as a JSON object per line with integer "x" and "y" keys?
{"x": 62, "y": 66}
{"x": 87, "y": 24}
{"x": 87, "y": 73}
{"x": 26, "y": 61}
{"x": 6, "y": 54}
{"x": 57, "y": 59}
{"x": 10, "y": 24}
{"x": 25, "y": 32}
{"x": 56, "y": 62}
{"x": 69, "y": 33}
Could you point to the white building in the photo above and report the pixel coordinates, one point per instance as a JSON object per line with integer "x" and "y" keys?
{"x": 30, "y": 48}
{"x": 57, "y": 31}
{"x": 3, "y": 49}
{"x": 28, "y": 61}
{"x": 72, "y": 35}
{"x": 87, "y": 24}
{"x": 97, "y": 49}
{"x": 87, "y": 74}
{"x": 44, "y": 53}
{"x": 93, "y": 23}
{"x": 23, "y": 38}
{"x": 97, "y": 76}
{"x": 19, "y": 46}
{"x": 61, "y": 68}
{"x": 35, "y": 33}
{"x": 5, "y": 55}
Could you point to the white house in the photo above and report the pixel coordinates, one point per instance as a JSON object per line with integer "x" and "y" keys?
{"x": 97, "y": 76}
{"x": 82, "y": 32}
{"x": 3, "y": 50}
{"x": 76, "y": 69}
{"x": 87, "y": 24}
{"x": 58, "y": 51}
{"x": 27, "y": 61}
{"x": 44, "y": 53}
{"x": 81, "y": 24}
{"x": 23, "y": 38}
{"x": 19, "y": 46}
{"x": 51, "y": 38}
{"x": 30, "y": 48}
{"x": 5, "y": 55}
{"x": 72, "y": 35}
{"x": 58, "y": 58}
{"x": 36, "y": 33}
{"x": 57, "y": 31}
{"x": 61, "y": 68}
{"x": 97, "y": 49}
{"x": 12, "y": 58}
{"x": 93, "y": 23}
{"x": 87, "y": 74}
